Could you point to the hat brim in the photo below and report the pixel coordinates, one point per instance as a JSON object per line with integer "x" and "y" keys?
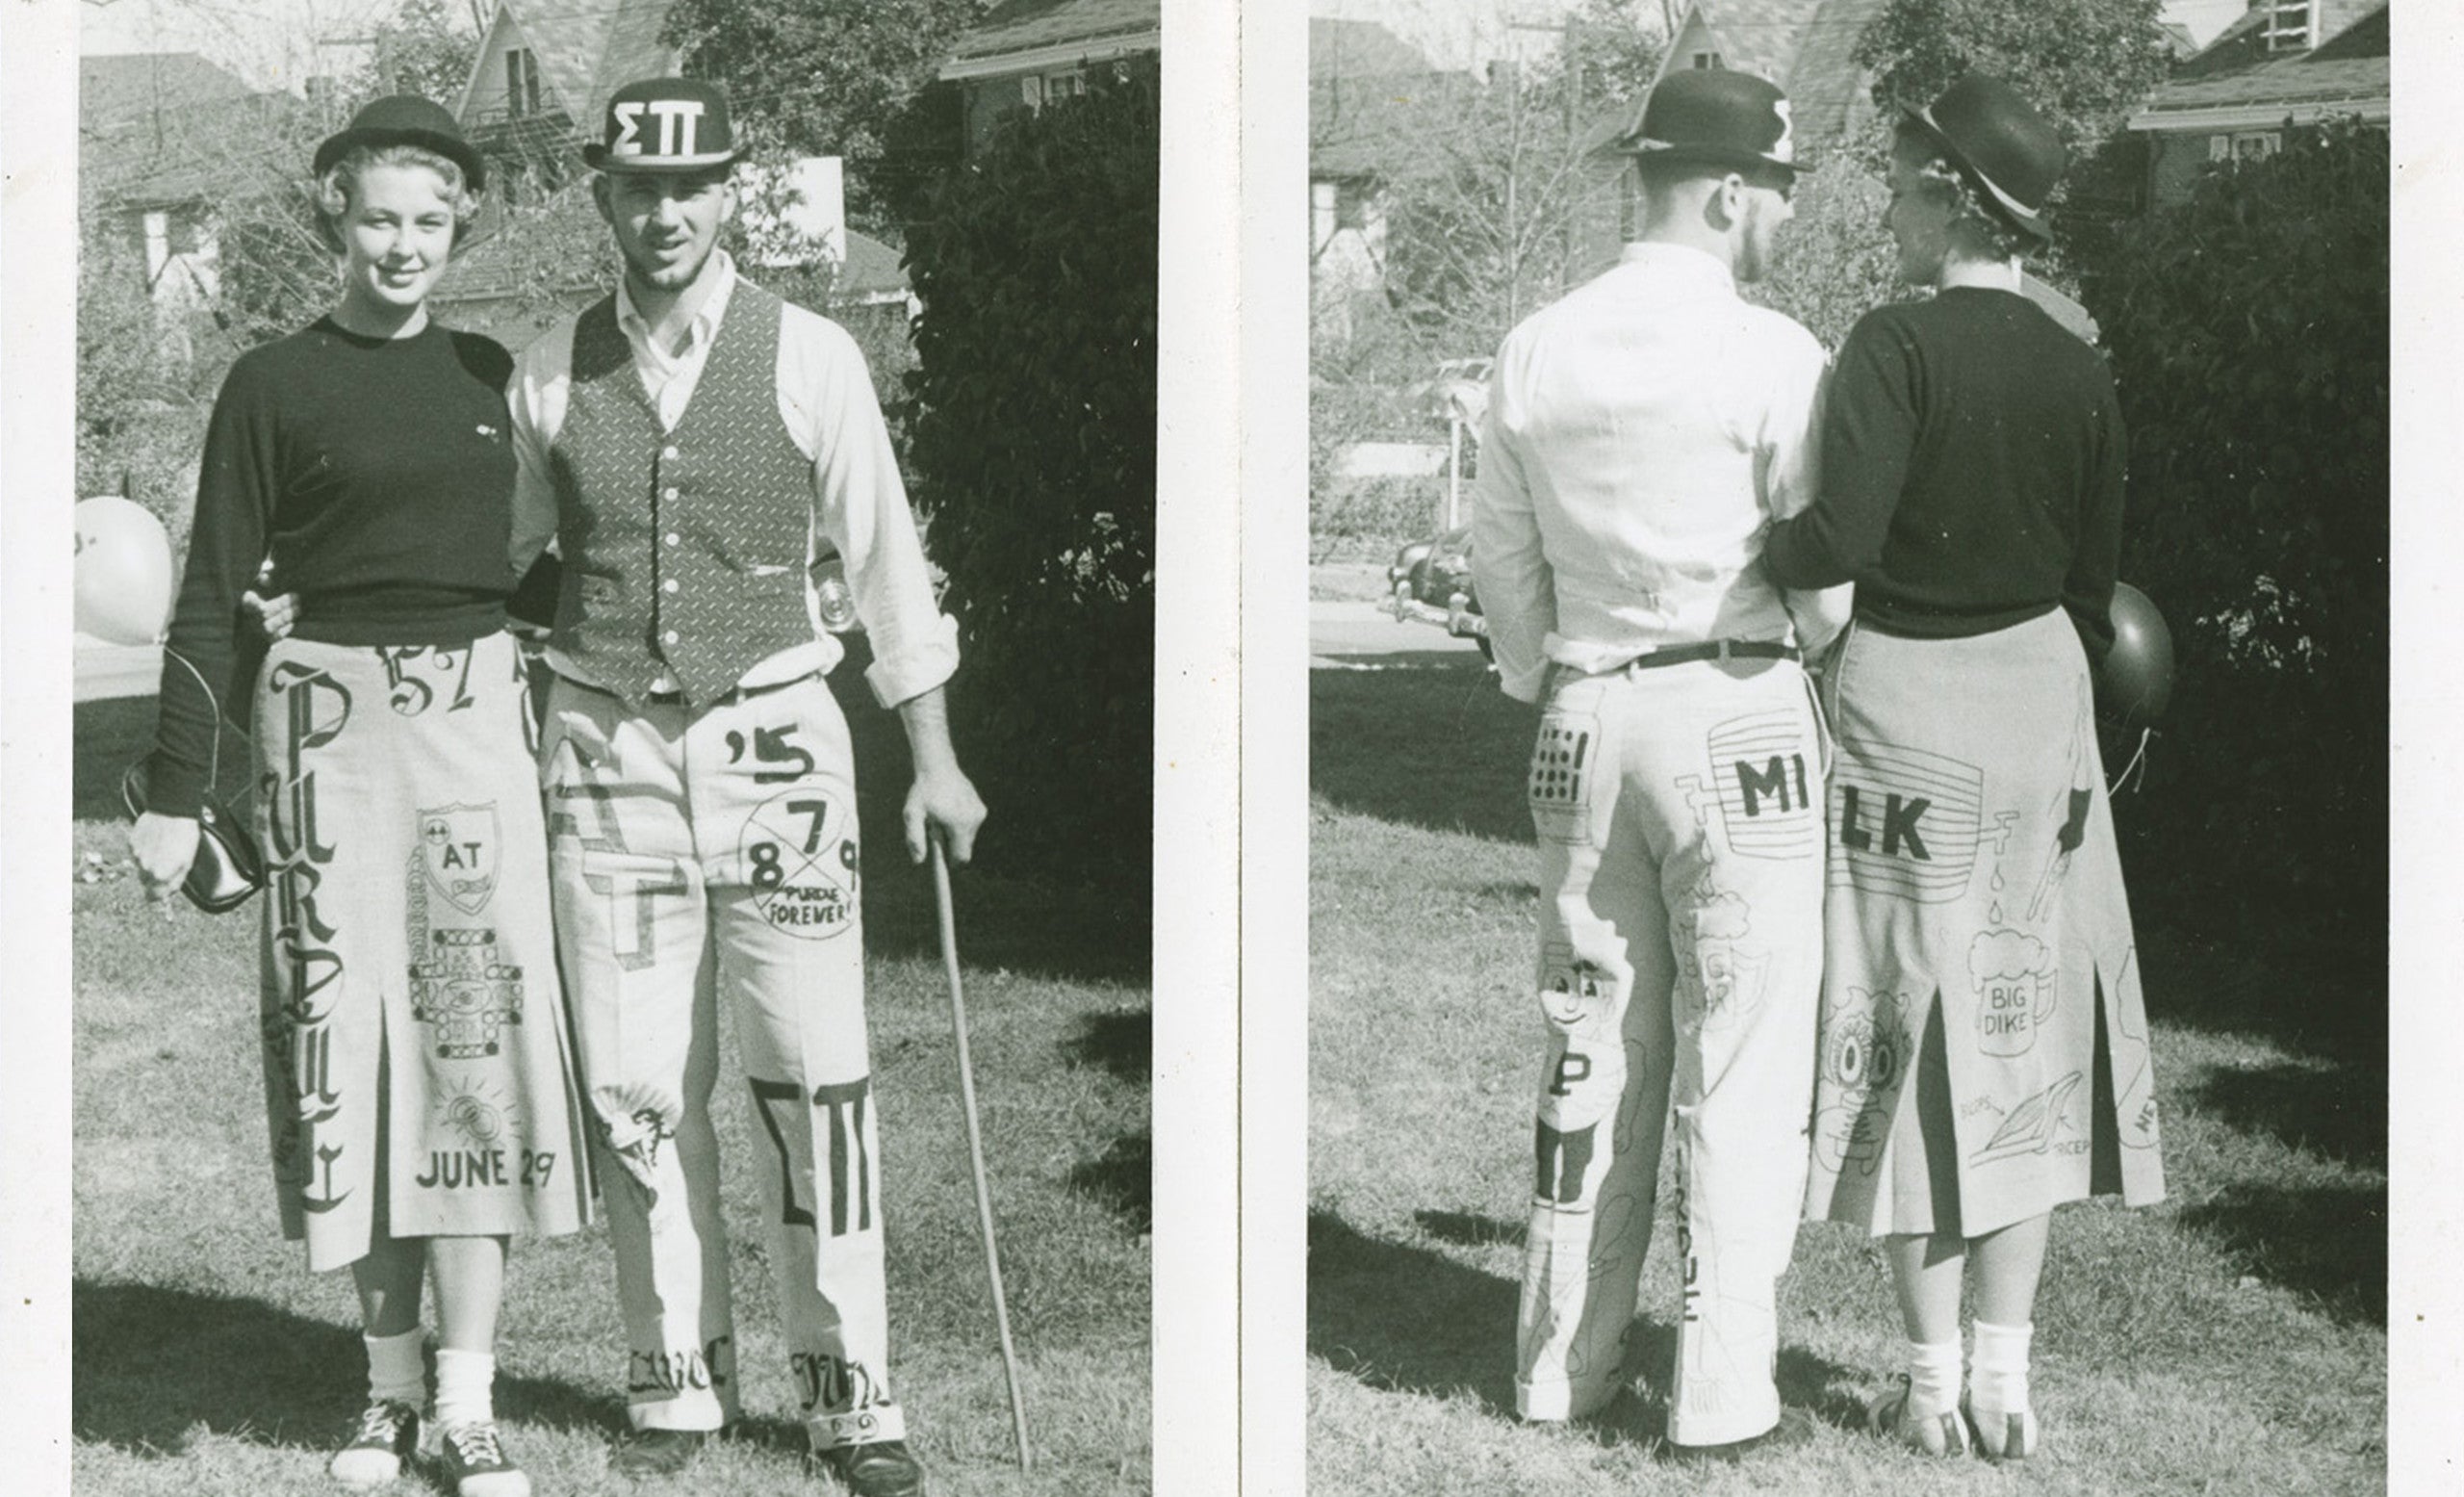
{"x": 2027, "y": 221}
{"x": 598, "y": 158}
{"x": 462, "y": 153}
{"x": 1643, "y": 149}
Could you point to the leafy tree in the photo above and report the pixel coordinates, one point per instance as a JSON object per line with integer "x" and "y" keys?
{"x": 2248, "y": 333}
{"x": 1835, "y": 261}
{"x": 2086, "y": 64}
{"x": 826, "y": 77}
{"x": 1033, "y": 440}
{"x": 420, "y": 50}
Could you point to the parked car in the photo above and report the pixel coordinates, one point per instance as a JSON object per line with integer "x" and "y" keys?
{"x": 1430, "y": 583}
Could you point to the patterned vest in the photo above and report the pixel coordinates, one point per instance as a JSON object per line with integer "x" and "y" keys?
{"x": 684, "y": 551}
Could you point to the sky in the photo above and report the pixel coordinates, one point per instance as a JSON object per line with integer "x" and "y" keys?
{"x": 267, "y": 43}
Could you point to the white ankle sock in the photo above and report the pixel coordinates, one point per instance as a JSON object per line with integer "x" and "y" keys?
{"x": 465, "y": 1383}
{"x": 1998, "y": 1369}
{"x": 395, "y": 1370}
{"x": 1932, "y": 1377}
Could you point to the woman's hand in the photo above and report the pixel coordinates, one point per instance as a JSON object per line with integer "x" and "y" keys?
{"x": 275, "y": 615}
{"x": 164, "y": 847}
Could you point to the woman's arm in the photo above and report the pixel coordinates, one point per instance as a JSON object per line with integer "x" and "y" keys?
{"x": 1869, "y": 432}
{"x": 2088, "y": 590}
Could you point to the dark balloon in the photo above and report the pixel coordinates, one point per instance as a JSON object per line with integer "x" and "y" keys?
{"x": 2137, "y": 679}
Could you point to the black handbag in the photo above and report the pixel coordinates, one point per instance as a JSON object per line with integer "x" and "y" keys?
{"x": 229, "y": 867}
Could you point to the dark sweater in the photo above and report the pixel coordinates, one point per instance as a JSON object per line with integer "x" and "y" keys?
{"x": 1972, "y": 459}
{"x": 377, "y": 474}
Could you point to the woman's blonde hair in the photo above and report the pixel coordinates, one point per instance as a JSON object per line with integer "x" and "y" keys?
{"x": 341, "y": 180}
{"x": 1977, "y": 228}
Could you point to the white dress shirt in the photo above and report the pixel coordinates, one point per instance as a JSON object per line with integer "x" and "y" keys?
{"x": 860, "y": 502}
{"x": 1642, "y": 434}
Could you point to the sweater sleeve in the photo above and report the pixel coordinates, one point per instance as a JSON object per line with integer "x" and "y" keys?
{"x": 1868, "y": 432}
{"x": 237, "y": 487}
{"x": 2087, "y": 589}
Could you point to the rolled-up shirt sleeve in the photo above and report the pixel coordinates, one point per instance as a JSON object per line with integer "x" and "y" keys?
{"x": 1517, "y": 593}
{"x": 1791, "y": 454}
{"x": 861, "y": 505}
{"x": 535, "y": 397}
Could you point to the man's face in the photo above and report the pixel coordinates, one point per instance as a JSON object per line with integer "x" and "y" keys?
{"x": 1767, "y": 207}
{"x": 665, "y": 224}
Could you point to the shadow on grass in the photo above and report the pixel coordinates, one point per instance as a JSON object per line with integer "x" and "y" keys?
{"x": 1437, "y": 747}
{"x": 2326, "y": 1242}
{"x": 1468, "y": 1229}
{"x": 2333, "y": 1111}
{"x": 1119, "y": 1043}
{"x": 1122, "y": 1179}
{"x": 149, "y": 1363}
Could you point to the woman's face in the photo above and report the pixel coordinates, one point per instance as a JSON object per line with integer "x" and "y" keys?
{"x": 398, "y": 233}
{"x": 1918, "y": 219}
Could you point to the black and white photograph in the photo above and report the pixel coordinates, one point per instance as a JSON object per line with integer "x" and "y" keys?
{"x": 1849, "y": 713}
{"x": 612, "y": 736}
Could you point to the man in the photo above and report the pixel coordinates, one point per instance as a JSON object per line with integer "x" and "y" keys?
{"x": 1643, "y": 434}
{"x": 692, "y": 442}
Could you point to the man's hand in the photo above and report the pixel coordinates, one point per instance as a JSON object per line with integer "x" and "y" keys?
{"x": 275, "y": 615}
{"x": 164, "y": 847}
{"x": 942, "y": 797}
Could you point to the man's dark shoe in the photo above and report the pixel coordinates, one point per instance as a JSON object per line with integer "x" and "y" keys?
{"x": 657, "y": 1451}
{"x": 1795, "y": 1427}
{"x": 882, "y": 1468}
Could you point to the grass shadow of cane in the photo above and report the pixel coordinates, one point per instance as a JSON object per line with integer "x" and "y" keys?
{"x": 1406, "y": 1318}
{"x": 2336, "y": 1112}
{"x": 150, "y": 1363}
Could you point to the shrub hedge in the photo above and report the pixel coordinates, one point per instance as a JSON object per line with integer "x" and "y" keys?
{"x": 2248, "y": 336}
{"x": 1032, "y": 431}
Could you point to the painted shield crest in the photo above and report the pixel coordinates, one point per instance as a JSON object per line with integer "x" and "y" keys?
{"x": 459, "y": 849}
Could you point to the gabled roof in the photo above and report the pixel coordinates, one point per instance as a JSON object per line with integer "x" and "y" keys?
{"x": 123, "y": 90}
{"x": 2243, "y": 44}
{"x": 1359, "y": 49}
{"x": 585, "y": 50}
{"x": 1806, "y": 46}
{"x": 1027, "y": 29}
{"x": 2347, "y": 75}
{"x": 157, "y": 128}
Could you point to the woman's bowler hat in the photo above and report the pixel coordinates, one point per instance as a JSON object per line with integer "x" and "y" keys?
{"x": 665, "y": 124}
{"x": 406, "y": 119}
{"x": 1997, "y": 141}
{"x": 1718, "y": 117}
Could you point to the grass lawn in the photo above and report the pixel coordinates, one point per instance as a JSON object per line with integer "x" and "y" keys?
{"x": 2231, "y": 1340}
{"x": 208, "y": 1360}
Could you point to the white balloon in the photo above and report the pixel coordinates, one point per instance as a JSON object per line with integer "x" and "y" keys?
{"x": 123, "y": 572}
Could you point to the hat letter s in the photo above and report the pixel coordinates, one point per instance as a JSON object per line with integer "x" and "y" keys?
{"x": 629, "y": 133}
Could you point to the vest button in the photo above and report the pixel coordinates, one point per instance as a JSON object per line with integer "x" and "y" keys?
{"x": 669, "y": 637}
{"x": 675, "y": 539}
{"x": 668, "y": 492}
{"x": 668, "y": 586}
{"x": 669, "y": 453}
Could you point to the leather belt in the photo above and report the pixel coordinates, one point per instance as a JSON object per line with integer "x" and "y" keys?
{"x": 726, "y": 698}
{"x": 1715, "y": 650}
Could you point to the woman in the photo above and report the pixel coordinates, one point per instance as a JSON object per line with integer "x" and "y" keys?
{"x": 419, "y": 1083}
{"x": 1983, "y": 1052}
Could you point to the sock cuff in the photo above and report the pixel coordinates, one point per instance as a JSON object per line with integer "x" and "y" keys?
{"x": 2002, "y": 1346}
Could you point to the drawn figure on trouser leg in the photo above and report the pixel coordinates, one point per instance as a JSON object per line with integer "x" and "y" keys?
{"x": 1642, "y": 434}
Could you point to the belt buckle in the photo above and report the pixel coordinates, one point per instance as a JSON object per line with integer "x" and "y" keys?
{"x": 1724, "y": 650}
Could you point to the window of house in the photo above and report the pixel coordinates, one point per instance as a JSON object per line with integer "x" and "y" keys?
{"x": 2245, "y": 145}
{"x": 2292, "y": 27}
{"x": 1069, "y": 85}
{"x": 1706, "y": 60}
{"x": 1352, "y": 205}
{"x": 521, "y": 83}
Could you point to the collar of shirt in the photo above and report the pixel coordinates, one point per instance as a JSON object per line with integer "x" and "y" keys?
{"x": 1681, "y": 260}
{"x": 698, "y": 330}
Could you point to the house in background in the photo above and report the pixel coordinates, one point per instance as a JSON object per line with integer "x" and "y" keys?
{"x": 155, "y": 152}
{"x": 542, "y": 78}
{"x": 2283, "y": 67}
{"x": 1366, "y": 84}
{"x": 1025, "y": 52}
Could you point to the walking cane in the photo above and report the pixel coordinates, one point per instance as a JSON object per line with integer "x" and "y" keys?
{"x": 975, "y": 1144}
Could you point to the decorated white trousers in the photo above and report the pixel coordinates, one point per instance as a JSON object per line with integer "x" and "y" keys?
{"x": 1680, "y": 818}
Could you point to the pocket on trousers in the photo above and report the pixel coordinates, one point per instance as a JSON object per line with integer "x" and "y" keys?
{"x": 1568, "y": 755}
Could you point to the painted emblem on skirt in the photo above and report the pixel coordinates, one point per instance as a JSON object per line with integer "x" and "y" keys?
{"x": 2017, "y": 989}
{"x": 458, "y": 848}
{"x": 1864, "y": 1059}
{"x": 1905, "y": 821}
{"x": 2039, "y": 1124}
{"x": 462, "y": 987}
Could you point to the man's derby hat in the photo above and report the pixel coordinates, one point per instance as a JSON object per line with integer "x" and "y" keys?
{"x": 405, "y": 119}
{"x": 1715, "y": 116}
{"x": 1997, "y": 141}
{"x": 665, "y": 124}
